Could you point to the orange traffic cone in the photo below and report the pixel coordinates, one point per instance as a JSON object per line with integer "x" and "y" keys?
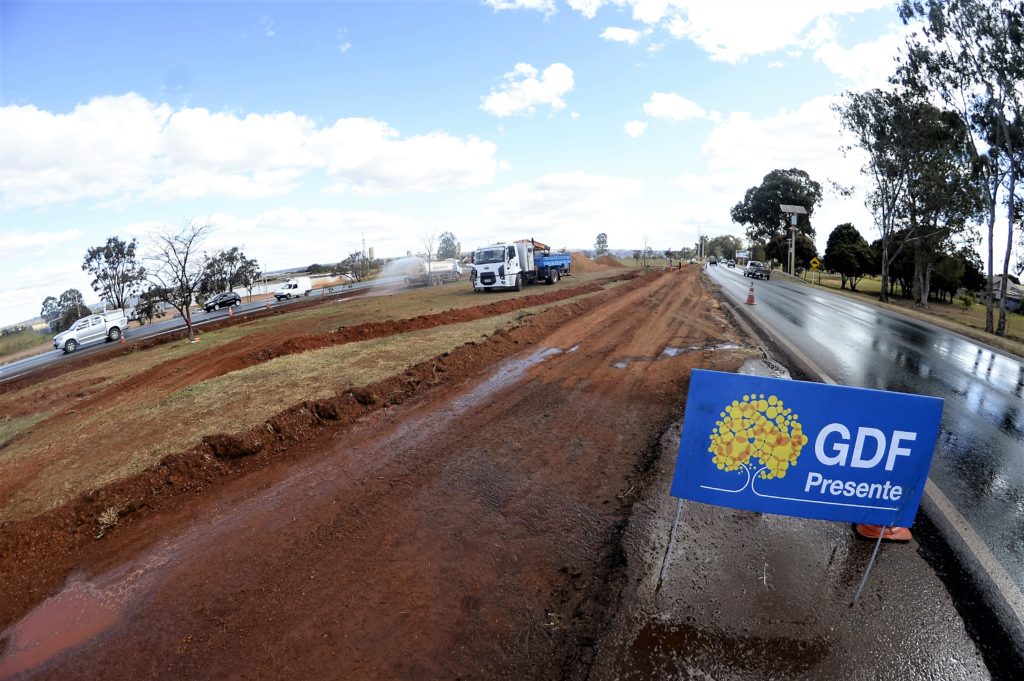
{"x": 750, "y": 295}
{"x": 901, "y": 534}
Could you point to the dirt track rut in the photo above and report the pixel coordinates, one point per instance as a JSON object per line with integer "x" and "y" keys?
{"x": 473, "y": 533}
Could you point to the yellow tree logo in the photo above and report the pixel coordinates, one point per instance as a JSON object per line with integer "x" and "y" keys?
{"x": 759, "y": 435}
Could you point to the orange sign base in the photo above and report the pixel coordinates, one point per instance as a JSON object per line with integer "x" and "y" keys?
{"x": 900, "y": 534}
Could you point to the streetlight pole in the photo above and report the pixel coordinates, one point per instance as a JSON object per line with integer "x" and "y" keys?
{"x": 794, "y": 213}
{"x": 792, "y": 244}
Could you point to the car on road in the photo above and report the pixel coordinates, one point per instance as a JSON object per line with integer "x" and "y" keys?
{"x": 712, "y": 261}
{"x": 756, "y": 269}
{"x": 731, "y": 263}
{"x": 108, "y": 326}
{"x": 220, "y": 300}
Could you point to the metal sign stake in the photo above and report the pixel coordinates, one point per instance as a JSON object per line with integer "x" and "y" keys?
{"x": 671, "y": 543}
{"x": 867, "y": 571}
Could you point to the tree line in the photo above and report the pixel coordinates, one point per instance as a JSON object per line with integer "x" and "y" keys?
{"x": 944, "y": 149}
{"x": 176, "y": 272}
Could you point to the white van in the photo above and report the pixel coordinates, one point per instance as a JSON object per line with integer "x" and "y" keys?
{"x": 293, "y": 288}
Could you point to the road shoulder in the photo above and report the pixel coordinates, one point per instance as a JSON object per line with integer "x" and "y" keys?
{"x": 750, "y": 595}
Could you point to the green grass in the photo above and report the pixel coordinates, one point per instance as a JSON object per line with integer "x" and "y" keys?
{"x": 22, "y": 340}
{"x": 147, "y": 427}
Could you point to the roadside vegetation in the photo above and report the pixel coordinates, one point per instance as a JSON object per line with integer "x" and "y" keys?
{"x": 964, "y": 315}
{"x": 55, "y": 443}
{"x": 15, "y": 341}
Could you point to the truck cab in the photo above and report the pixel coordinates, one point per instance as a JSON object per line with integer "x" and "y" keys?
{"x": 512, "y": 265}
{"x": 498, "y": 266}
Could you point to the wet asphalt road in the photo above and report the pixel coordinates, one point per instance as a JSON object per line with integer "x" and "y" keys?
{"x": 979, "y": 459}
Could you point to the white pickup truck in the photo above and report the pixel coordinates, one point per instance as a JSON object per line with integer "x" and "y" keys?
{"x": 108, "y": 326}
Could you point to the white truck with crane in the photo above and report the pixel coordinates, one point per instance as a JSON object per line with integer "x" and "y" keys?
{"x": 513, "y": 265}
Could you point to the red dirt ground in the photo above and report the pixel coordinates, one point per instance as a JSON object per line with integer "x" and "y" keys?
{"x": 455, "y": 521}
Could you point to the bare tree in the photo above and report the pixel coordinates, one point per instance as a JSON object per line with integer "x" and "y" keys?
{"x": 428, "y": 243}
{"x": 176, "y": 268}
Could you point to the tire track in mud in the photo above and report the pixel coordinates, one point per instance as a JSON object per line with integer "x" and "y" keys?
{"x": 36, "y": 553}
{"x": 475, "y": 537}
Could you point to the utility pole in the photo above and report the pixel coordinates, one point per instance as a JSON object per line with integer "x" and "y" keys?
{"x": 794, "y": 213}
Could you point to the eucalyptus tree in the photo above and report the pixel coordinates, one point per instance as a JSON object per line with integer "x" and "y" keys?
{"x": 971, "y": 54}
{"x": 448, "y": 246}
{"x": 943, "y": 196}
{"x": 116, "y": 271}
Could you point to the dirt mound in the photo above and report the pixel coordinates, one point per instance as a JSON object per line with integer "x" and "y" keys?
{"x": 608, "y": 261}
{"x": 581, "y": 263}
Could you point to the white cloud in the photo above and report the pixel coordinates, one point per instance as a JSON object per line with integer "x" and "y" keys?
{"x": 126, "y": 148}
{"x": 727, "y": 33}
{"x": 29, "y": 283}
{"x": 635, "y": 128}
{"x": 587, "y": 8}
{"x": 865, "y": 65}
{"x": 271, "y": 237}
{"x": 776, "y": 64}
{"x": 672, "y": 107}
{"x": 575, "y": 115}
{"x": 546, "y": 6}
{"x": 571, "y": 205}
{"x": 621, "y": 35}
{"x": 369, "y": 157}
{"x": 20, "y": 241}
{"x": 101, "y": 149}
{"x": 742, "y": 150}
{"x": 335, "y": 233}
{"x": 524, "y": 89}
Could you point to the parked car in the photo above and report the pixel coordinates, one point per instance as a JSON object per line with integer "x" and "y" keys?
{"x": 731, "y": 263}
{"x": 757, "y": 270}
{"x": 222, "y": 300}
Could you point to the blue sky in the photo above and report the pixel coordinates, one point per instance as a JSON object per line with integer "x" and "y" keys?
{"x": 297, "y": 129}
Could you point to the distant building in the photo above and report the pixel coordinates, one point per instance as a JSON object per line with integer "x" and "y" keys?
{"x": 1014, "y": 292}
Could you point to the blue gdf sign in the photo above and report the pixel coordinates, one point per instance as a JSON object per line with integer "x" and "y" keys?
{"x": 805, "y": 449}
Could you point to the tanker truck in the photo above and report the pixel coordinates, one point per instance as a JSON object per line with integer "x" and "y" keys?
{"x": 434, "y": 272}
{"x": 512, "y": 265}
